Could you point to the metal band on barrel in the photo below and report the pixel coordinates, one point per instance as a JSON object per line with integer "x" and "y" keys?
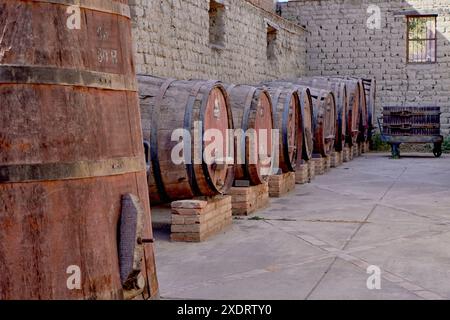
{"x": 105, "y": 6}
{"x": 66, "y": 77}
{"x": 16, "y": 173}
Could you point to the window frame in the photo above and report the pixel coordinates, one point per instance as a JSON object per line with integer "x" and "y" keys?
{"x": 408, "y": 40}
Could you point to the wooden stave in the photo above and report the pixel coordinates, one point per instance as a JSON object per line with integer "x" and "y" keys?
{"x": 195, "y": 179}
{"x": 51, "y": 257}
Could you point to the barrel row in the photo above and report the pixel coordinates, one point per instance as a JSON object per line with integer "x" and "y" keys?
{"x": 312, "y": 117}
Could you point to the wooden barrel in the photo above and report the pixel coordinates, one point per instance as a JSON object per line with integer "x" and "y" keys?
{"x": 339, "y": 90}
{"x": 357, "y": 85}
{"x": 354, "y": 108}
{"x": 252, "y": 114}
{"x": 177, "y": 116}
{"x": 324, "y": 119}
{"x": 306, "y": 114}
{"x": 288, "y": 120}
{"x": 71, "y": 151}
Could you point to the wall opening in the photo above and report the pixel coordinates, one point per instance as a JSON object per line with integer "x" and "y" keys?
{"x": 271, "y": 42}
{"x": 217, "y": 23}
{"x": 422, "y": 39}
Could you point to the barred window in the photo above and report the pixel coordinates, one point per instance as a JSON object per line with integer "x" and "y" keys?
{"x": 422, "y": 39}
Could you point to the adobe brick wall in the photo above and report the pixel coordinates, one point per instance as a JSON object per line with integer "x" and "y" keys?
{"x": 339, "y": 42}
{"x": 172, "y": 40}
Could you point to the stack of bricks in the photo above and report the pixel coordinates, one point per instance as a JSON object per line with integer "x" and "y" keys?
{"x": 348, "y": 154}
{"x": 366, "y": 147}
{"x": 281, "y": 184}
{"x": 327, "y": 164}
{"x": 302, "y": 175}
{"x": 196, "y": 220}
{"x": 336, "y": 159}
{"x": 319, "y": 167}
{"x": 355, "y": 150}
{"x": 311, "y": 170}
{"x": 246, "y": 200}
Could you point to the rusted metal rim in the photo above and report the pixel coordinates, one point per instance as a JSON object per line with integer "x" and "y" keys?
{"x": 16, "y": 74}
{"x": 105, "y": 6}
{"x": 16, "y": 173}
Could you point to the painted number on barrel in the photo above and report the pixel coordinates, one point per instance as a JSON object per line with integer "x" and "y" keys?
{"x": 107, "y": 55}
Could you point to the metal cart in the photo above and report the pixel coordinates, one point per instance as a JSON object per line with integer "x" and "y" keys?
{"x": 411, "y": 125}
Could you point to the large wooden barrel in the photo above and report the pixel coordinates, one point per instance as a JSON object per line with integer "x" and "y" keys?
{"x": 306, "y": 114}
{"x": 288, "y": 120}
{"x": 339, "y": 90}
{"x": 255, "y": 154}
{"x": 354, "y": 108}
{"x": 356, "y": 85}
{"x": 181, "y": 113}
{"x": 324, "y": 119}
{"x": 71, "y": 151}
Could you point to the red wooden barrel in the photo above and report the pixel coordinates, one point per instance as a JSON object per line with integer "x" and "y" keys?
{"x": 252, "y": 113}
{"x": 356, "y": 85}
{"x": 288, "y": 120}
{"x": 71, "y": 149}
{"x": 324, "y": 120}
{"x": 354, "y": 118}
{"x": 195, "y": 108}
{"x": 339, "y": 90}
{"x": 306, "y": 115}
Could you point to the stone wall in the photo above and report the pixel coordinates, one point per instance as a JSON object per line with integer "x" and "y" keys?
{"x": 339, "y": 42}
{"x": 268, "y": 5}
{"x": 172, "y": 39}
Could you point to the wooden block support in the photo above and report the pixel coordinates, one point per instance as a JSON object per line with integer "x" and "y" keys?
{"x": 196, "y": 220}
{"x": 366, "y": 147}
{"x": 327, "y": 164}
{"x": 280, "y": 185}
{"x": 348, "y": 156}
{"x": 355, "y": 150}
{"x": 319, "y": 166}
{"x": 246, "y": 200}
{"x": 302, "y": 175}
{"x": 336, "y": 159}
{"x": 312, "y": 170}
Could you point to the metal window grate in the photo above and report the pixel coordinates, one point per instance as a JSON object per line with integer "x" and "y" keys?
{"x": 422, "y": 41}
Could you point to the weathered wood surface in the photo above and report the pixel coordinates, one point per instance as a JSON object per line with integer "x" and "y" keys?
{"x": 62, "y": 218}
{"x": 289, "y": 122}
{"x": 168, "y": 105}
{"x": 339, "y": 90}
{"x": 306, "y": 115}
{"x": 252, "y": 110}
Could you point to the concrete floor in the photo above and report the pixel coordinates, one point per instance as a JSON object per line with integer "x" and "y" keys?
{"x": 317, "y": 242}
